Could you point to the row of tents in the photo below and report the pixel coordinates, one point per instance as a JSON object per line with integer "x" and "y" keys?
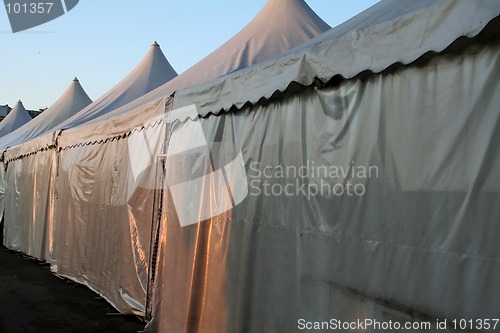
{"x": 211, "y": 201}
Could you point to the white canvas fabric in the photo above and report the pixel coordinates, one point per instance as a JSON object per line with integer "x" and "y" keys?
{"x": 280, "y": 26}
{"x": 71, "y": 101}
{"x": 16, "y": 118}
{"x": 388, "y": 33}
{"x": 376, "y": 199}
{"x": 373, "y": 40}
{"x": 413, "y": 246}
{"x": 152, "y": 71}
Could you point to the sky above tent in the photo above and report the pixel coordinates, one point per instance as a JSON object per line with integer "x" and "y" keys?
{"x": 101, "y": 42}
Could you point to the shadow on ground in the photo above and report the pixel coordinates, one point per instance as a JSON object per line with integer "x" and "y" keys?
{"x": 32, "y": 299}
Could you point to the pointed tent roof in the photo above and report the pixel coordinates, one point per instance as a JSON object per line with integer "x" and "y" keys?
{"x": 153, "y": 71}
{"x": 17, "y": 117}
{"x": 72, "y": 100}
{"x": 279, "y": 26}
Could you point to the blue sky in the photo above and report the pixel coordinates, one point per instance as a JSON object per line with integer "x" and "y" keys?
{"x": 100, "y": 42}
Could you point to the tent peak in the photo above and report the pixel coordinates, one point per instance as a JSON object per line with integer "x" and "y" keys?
{"x": 75, "y": 79}
{"x": 151, "y": 72}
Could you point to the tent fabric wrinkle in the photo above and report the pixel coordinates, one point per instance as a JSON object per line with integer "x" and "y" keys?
{"x": 116, "y": 127}
{"x": 103, "y": 218}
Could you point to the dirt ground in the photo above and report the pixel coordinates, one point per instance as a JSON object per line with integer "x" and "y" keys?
{"x": 32, "y": 300}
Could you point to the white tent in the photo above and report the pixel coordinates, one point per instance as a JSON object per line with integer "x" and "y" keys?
{"x": 152, "y": 71}
{"x": 47, "y": 236}
{"x": 17, "y": 117}
{"x": 71, "y": 101}
{"x": 373, "y": 170}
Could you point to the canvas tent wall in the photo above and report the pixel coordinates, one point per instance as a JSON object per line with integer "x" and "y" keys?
{"x": 415, "y": 240}
{"x": 274, "y": 258}
{"x": 17, "y": 117}
{"x": 414, "y": 236}
{"x": 398, "y": 82}
{"x": 34, "y": 172}
{"x": 100, "y": 233}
